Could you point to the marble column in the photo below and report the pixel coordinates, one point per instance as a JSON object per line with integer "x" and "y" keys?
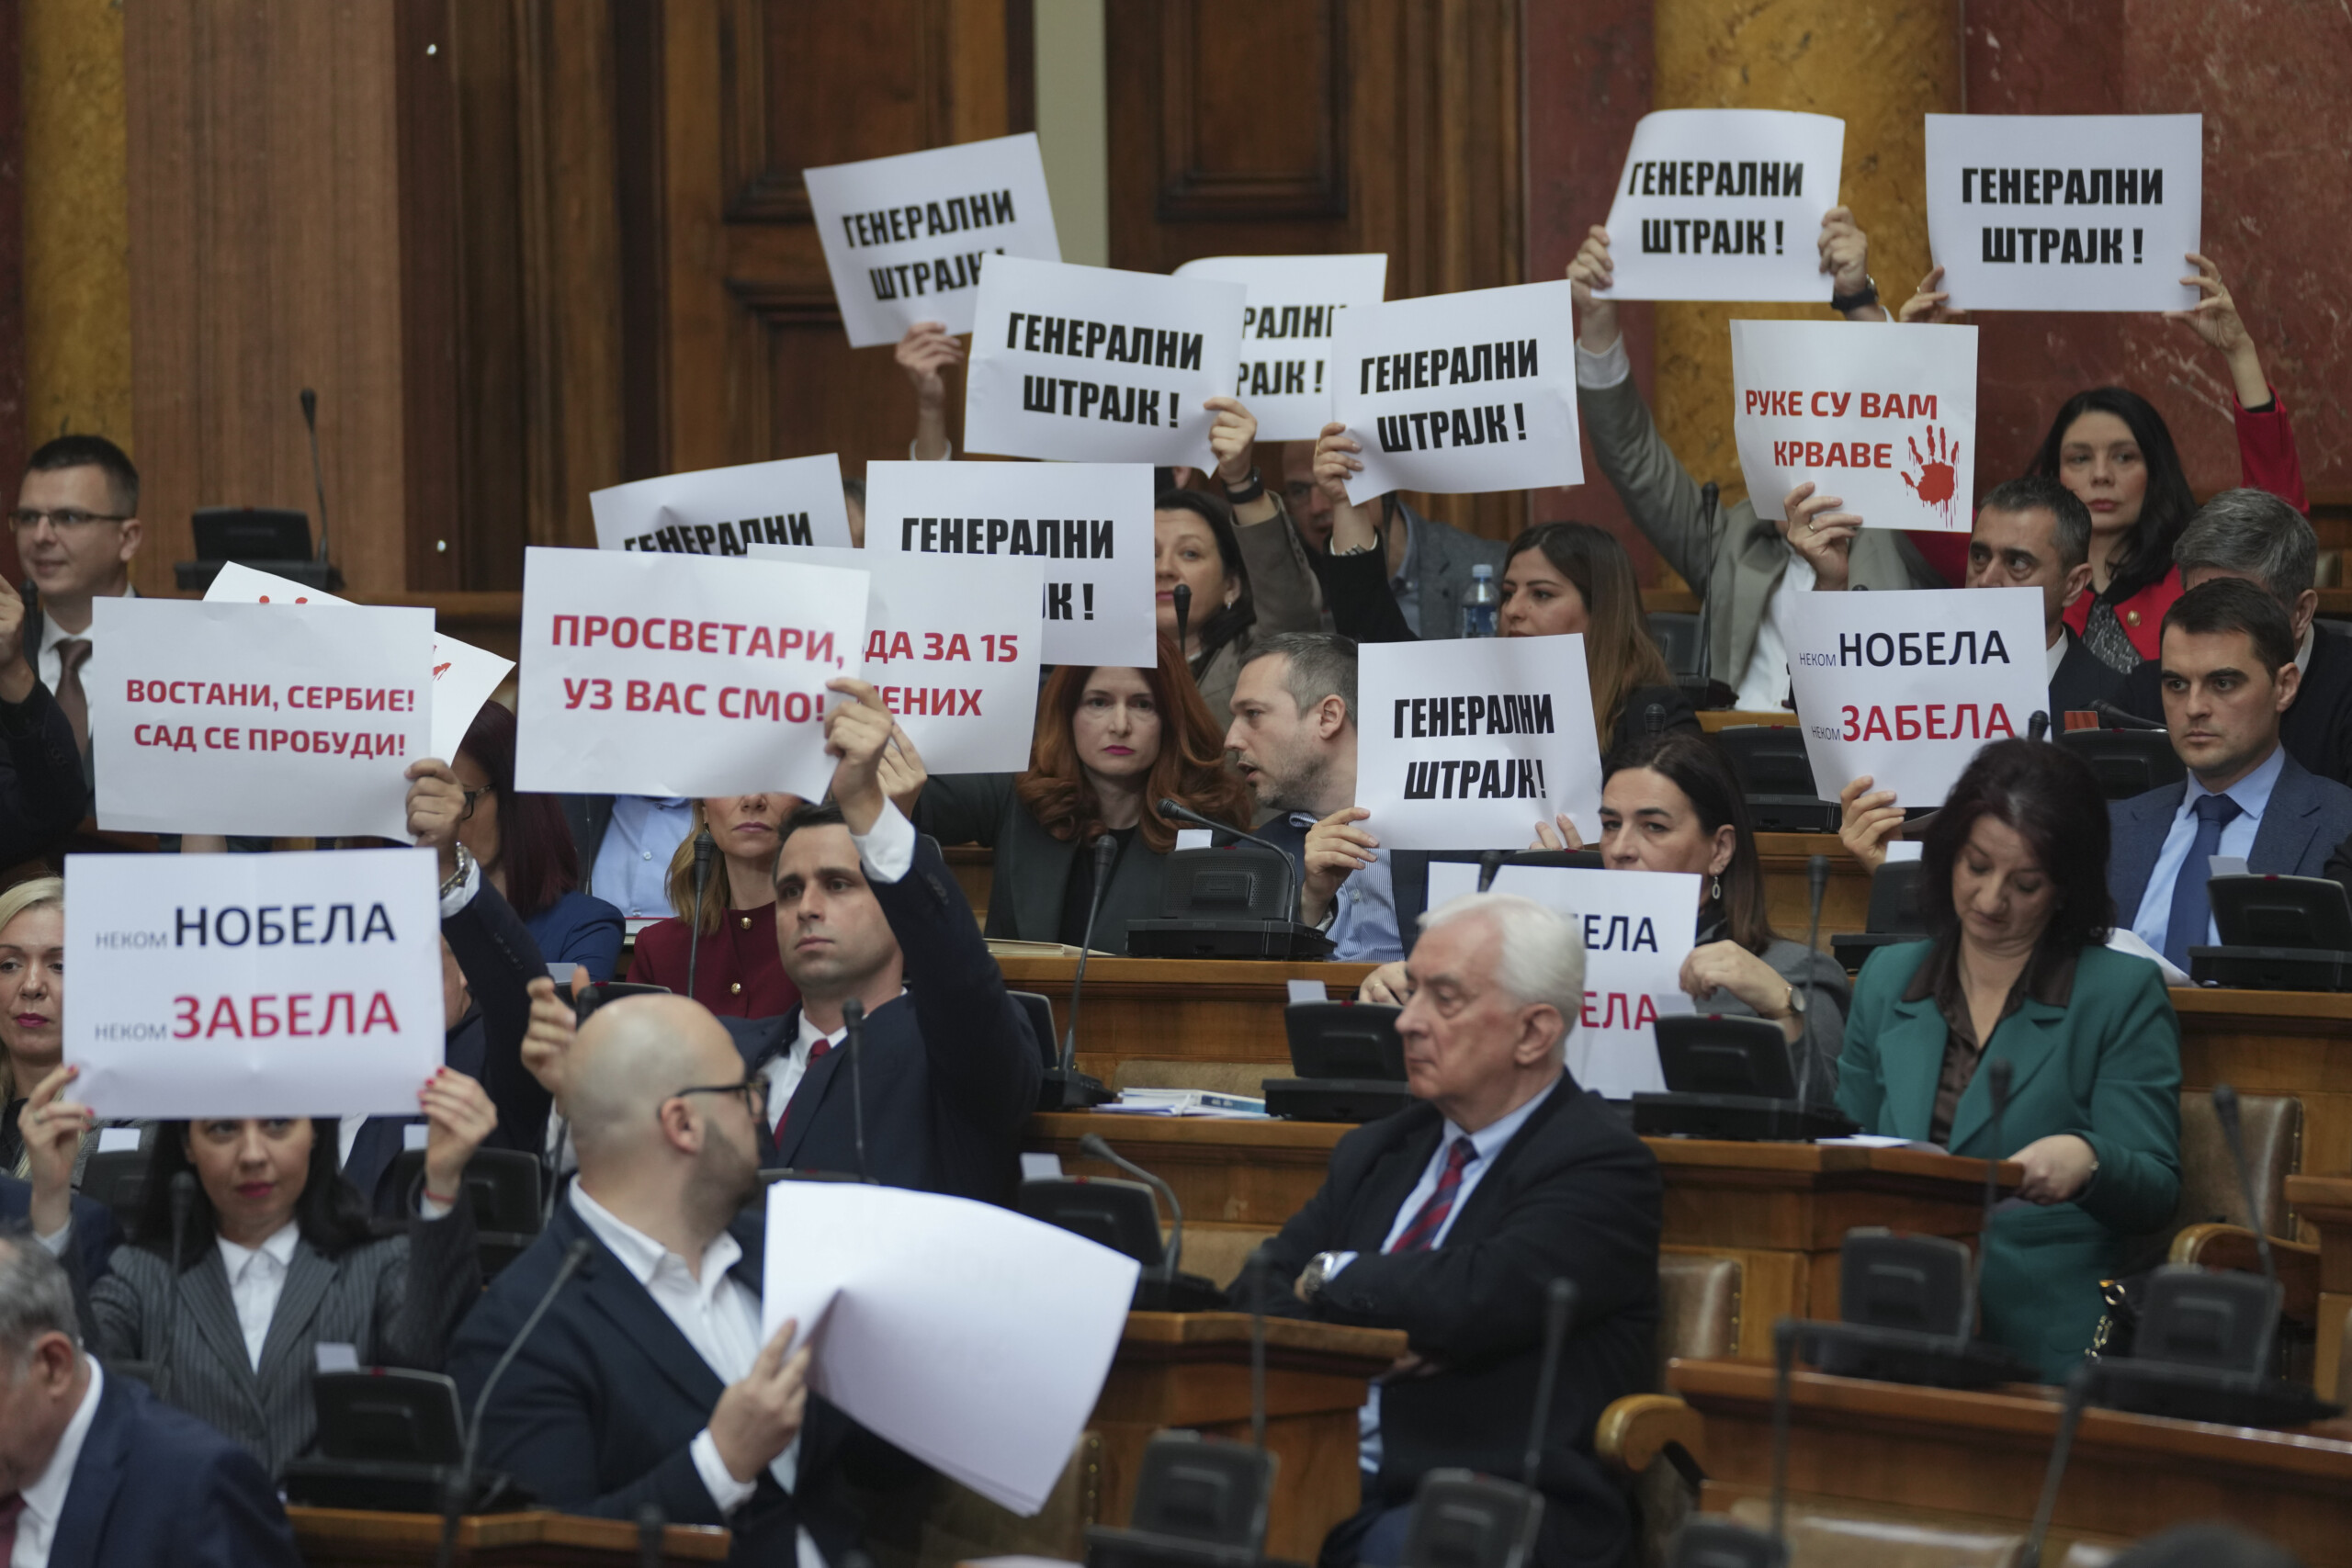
{"x": 77, "y": 223}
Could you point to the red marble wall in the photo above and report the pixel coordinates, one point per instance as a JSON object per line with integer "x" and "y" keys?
{"x": 2273, "y": 79}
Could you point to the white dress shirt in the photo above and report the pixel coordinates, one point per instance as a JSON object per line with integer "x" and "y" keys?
{"x": 2152, "y": 923}
{"x": 256, "y": 1279}
{"x": 45, "y": 1498}
{"x": 49, "y": 665}
{"x": 719, "y": 1317}
{"x": 2054, "y": 655}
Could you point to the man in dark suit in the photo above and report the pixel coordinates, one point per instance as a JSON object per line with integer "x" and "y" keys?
{"x": 1452, "y": 1219}
{"x": 1428, "y": 561}
{"x": 2035, "y": 533}
{"x": 2229, "y": 672}
{"x": 94, "y": 1234}
{"x": 94, "y": 1474}
{"x": 648, "y": 1381}
{"x": 2252, "y": 535}
{"x": 43, "y": 790}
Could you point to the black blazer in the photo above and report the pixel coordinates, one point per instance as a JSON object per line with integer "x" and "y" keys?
{"x": 2316, "y": 730}
{"x": 950, "y": 1068}
{"x": 1032, "y": 867}
{"x": 587, "y": 816}
{"x": 597, "y": 1411}
{"x": 193, "y": 1499}
{"x": 44, "y": 790}
{"x": 2085, "y": 678}
{"x": 1574, "y": 1193}
{"x": 95, "y": 1234}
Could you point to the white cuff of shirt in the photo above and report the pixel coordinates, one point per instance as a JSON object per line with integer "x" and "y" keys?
{"x": 1598, "y": 372}
{"x": 724, "y": 1490}
{"x": 887, "y": 852}
{"x": 431, "y": 1211}
{"x": 54, "y": 1243}
{"x": 915, "y": 457}
{"x": 1339, "y": 1261}
{"x": 453, "y": 902}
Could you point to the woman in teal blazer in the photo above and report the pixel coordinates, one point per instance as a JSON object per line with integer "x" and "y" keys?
{"x": 2017, "y": 958}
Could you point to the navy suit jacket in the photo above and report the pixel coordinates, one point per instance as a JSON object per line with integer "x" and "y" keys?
{"x": 598, "y": 1411}
{"x": 96, "y": 1235}
{"x": 2307, "y": 818}
{"x": 951, "y": 1069}
{"x": 156, "y": 1486}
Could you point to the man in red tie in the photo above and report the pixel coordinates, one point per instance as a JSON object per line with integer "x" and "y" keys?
{"x": 1452, "y": 1219}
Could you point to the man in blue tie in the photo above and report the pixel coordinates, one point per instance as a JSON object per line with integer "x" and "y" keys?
{"x": 2228, "y": 655}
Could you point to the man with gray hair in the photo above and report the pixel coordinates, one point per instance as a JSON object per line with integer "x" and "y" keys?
{"x": 1294, "y": 736}
{"x": 2252, "y": 535}
{"x": 1452, "y": 1219}
{"x": 94, "y": 1471}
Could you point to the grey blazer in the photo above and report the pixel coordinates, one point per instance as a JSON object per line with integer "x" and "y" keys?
{"x": 1285, "y": 593}
{"x": 2307, "y": 818}
{"x": 1734, "y": 564}
{"x": 398, "y": 1301}
{"x": 1442, "y": 557}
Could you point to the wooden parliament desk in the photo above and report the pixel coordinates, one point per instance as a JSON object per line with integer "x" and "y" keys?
{"x": 2324, "y": 1205}
{"x": 1781, "y": 1208}
{"x": 347, "y": 1538}
{"x": 1930, "y": 1455}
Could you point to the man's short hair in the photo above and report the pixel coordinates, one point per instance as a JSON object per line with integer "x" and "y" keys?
{"x": 91, "y": 452}
{"x": 1322, "y": 664}
{"x": 2039, "y": 492}
{"x": 2251, "y": 533}
{"x": 854, "y": 489}
{"x": 811, "y": 814}
{"x": 2233, "y": 605}
{"x": 1540, "y": 954}
{"x": 36, "y": 1297}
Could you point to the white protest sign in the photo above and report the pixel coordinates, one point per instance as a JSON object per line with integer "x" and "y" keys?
{"x": 1089, "y": 523}
{"x": 1724, "y": 204}
{"x": 2065, "y": 212}
{"x": 1468, "y": 744}
{"x": 904, "y": 237}
{"x": 1092, "y": 366}
{"x": 952, "y": 645}
{"x": 303, "y": 984}
{"x": 1293, "y": 307}
{"x": 1460, "y": 392}
{"x": 1906, "y": 687}
{"x": 989, "y": 1379}
{"x": 464, "y": 676}
{"x": 1637, "y": 930}
{"x": 1885, "y": 420}
{"x": 724, "y": 512}
{"x": 673, "y": 675}
{"x": 240, "y": 718}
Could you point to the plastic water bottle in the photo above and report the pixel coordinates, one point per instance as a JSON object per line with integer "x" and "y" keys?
{"x": 1480, "y": 605}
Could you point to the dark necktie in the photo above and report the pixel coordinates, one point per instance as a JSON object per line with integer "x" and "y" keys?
{"x": 817, "y": 1054}
{"x": 10, "y": 1506}
{"x": 71, "y": 654}
{"x": 2191, "y": 909}
{"x": 1422, "y": 1233}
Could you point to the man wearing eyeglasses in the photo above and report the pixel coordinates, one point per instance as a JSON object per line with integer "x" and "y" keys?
{"x": 76, "y": 526}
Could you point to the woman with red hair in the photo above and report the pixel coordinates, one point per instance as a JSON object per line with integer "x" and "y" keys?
{"x": 1112, "y": 742}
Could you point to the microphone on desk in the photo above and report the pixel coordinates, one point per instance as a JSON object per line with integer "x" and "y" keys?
{"x": 703, "y": 849}
{"x": 2119, "y": 719}
{"x": 651, "y": 1524}
{"x": 2225, "y": 1110}
{"x": 2037, "y": 728}
{"x": 1094, "y": 1147}
{"x": 1461, "y": 1517}
{"x": 1998, "y": 1076}
{"x": 1254, "y": 1280}
{"x": 1182, "y": 598}
{"x": 318, "y": 475}
{"x": 1183, "y": 812}
{"x": 1559, "y": 1306}
{"x": 458, "y": 1491}
{"x": 854, "y": 1037}
{"x": 1816, "y": 872}
{"x": 183, "y": 1203}
{"x": 1064, "y": 1087}
{"x": 1490, "y": 862}
{"x": 2069, "y": 1416}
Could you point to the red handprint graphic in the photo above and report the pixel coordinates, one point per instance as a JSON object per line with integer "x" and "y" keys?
{"x": 1934, "y": 486}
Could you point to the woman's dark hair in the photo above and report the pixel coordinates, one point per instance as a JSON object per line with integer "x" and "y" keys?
{"x": 534, "y": 847}
{"x": 2145, "y": 554}
{"x": 2049, "y": 797}
{"x": 1190, "y": 768}
{"x": 1215, "y": 627}
{"x": 1693, "y": 764}
{"x": 1618, "y": 653}
{"x": 331, "y": 1213}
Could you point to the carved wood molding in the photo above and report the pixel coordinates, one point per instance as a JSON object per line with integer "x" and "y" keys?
{"x": 1190, "y": 192}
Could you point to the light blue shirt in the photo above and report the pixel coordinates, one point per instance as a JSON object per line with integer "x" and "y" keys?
{"x": 1363, "y": 916}
{"x": 1405, "y": 588}
{"x": 2152, "y": 923}
{"x": 1489, "y": 1141}
{"x": 632, "y": 869}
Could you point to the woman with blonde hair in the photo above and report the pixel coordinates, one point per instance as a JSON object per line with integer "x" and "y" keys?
{"x": 32, "y": 1006}
{"x": 738, "y": 973}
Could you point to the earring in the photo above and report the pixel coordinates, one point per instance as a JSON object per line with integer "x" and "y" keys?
{"x": 1715, "y": 890}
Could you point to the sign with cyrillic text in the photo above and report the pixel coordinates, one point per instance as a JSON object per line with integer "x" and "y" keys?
{"x": 464, "y": 676}
{"x": 303, "y": 984}
{"x": 1906, "y": 687}
{"x": 1088, "y": 525}
{"x": 1460, "y": 392}
{"x": 1092, "y": 366}
{"x": 1293, "y": 307}
{"x": 1885, "y": 422}
{"x": 1637, "y": 928}
{"x": 1468, "y": 743}
{"x": 904, "y": 237}
{"x": 1724, "y": 204}
{"x": 952, "y": 646}
{"x": 2065, "y": 212}
{"x": 240, "y": 718}
{"x": 725, "y": 512}
{"x": 673, "y": 675}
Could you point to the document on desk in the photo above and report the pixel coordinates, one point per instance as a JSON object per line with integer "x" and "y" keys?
{"x": 975, "y": 1338}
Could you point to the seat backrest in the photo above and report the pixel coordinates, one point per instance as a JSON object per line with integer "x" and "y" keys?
{"x": 117, "y": 1178}
{"x": 1894, "y": 899}
{"x": 2126, "y": 761}
{"x": 502, "y": 1184}
{"x": 1822, "y": 1539}
{"x": 1039, "y": 1011}
{"x": 2272, "y": 1126}
{"x": 1698, "y": 1318}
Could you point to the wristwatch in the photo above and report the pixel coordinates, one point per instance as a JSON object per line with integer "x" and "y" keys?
{"x": 1319, "y": 1269}
{"x": 458, "y": 877}
{"x": 1246, "y": 491}
{"x": 1846, "y": 304}
{"x": 1795, "y": 1002}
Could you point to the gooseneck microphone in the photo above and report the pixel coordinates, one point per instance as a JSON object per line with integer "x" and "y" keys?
{"x": 1997, "y": 1073}
{"x": 183, "y": 1203}
{"x": 2121, "y": 719}
{"x": 2225, "y": 1110}
{"x": 2037, "y": 726}
{"x": 1559, "y": 1305}
{"x": 1183, "y": 812}
{"x": 1490, "y": 862}
{"x": 853, "y": 1031}
{"x": 1183, "y": 597}
{"x": 704, "y": 847}
{"x": 462, "y": 1481}
{"x": 1254, "y": 1272}
{"x": 318, "y": 475}
{"x": 651, "y": 1524}
{"x": 1092, "y": 1145}
{"x": 1816, "y": 872}
{"x": 1107, "y": 852}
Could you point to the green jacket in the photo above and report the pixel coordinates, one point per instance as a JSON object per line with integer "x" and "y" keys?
{"x": 2106, "y": 1068}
